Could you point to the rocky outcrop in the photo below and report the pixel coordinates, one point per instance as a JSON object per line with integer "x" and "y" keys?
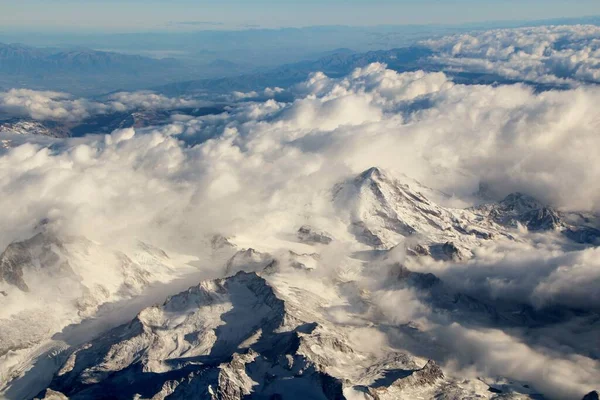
{"x": 591, "y": 396}
{"x": 308, "y": 234}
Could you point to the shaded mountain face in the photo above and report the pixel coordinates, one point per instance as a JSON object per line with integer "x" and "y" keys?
{"x": 338, "y": 64}
{"x": 518, "y": 208}
{"x": 73, "y": 258}
{"x": 20, "y": 59}
{"x": 16, "y": 57}
{"x": 591, "y": 396}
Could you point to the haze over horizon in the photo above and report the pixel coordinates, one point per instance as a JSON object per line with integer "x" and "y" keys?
{"x": 185, "y": 15}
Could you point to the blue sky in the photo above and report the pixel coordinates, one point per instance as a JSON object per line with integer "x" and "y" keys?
{"x": 143, "y": 15}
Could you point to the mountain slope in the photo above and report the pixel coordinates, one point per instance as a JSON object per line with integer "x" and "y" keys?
{"x": 334, "y": 65}
{"x": 84, "y": 71}
{"x": 49, "y": 281}
{"x": 289, "y": 320}
{"x": 240, "y": 338}
{"x": 382, "y": 211}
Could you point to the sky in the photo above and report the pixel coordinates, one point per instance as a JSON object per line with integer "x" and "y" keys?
{"x": 185, "y": 15}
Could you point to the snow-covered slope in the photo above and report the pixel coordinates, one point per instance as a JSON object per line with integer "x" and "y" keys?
{"x": 320, "y": 312}
{"x": 239, "y": 336}
{"x": 31, "y": 127}
{"x": 521, "y": 210}
{"x": 49, "y": 281}
{"x": 382, "y": 211}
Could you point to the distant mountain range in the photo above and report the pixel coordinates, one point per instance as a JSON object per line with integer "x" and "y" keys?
{"x": 334, "y": 64}
{"x": 20, "y": 59}
{"x": 84, "y": 71}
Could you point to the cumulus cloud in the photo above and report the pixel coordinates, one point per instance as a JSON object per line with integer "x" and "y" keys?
{"x": 541, "y": 275}
{"x": 267, "y": 93}
{"x": 43, "y": 105}
{"x": 58, "y": 106}
{"x": 450, "y": 136}
{"x": 549, "y": 54}
{"x": 496, "y": 353}
{"x": 124, "y": 101}
{"x": 446, "y": 135}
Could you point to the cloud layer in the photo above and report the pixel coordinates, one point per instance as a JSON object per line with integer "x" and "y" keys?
{"x": 549, "y": 54}
{"x": 57, "y": 106}
{"x": 452, "y": 137}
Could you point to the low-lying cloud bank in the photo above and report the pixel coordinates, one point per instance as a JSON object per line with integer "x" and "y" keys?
{"x": 58, "y": 106}
{"x": 452, "y": 137}
{"x": 263, "y": 169}
{"x": 565, "y": 55}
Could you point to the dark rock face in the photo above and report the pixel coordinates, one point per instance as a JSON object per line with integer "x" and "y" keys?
{"x": 218, "y": 242}
{"x": 417, "y": 280}
{"x": 307, "y": 234}
{"x": 583, "y": 235}
{"x": 446, "y": 252}
{"x": 520, "y": 203}
{"x": 17, "y": 257}
{"x": 12, "y": 262}
{"x": 521, "y": 208}
{"x": 418, "y": 250}
{"x": 451, "y": 251}
{"x": 426, "y": 376}
{"x": 364, "y": 235}
{"x": 591, "y": 396}
{"x": 543, "y": 219}
{"x": 248, "y": 260}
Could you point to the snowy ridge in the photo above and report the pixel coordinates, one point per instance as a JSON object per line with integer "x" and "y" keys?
{"x": 238, "y": 336}
{"x": 30, "y": 127}
{"x": 383, "y": 211}
{"x": 48, "y": 282}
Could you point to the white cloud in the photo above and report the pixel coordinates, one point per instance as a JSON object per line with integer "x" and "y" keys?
{"x": 448, "y": 136}
{"x": 548, "y": 54}
{"x": 497, "y": 353}
{"x": 57, "y": 106}
{"x": 46, "y": 105}
{"x": 124, "y": 101}
{"x": 542, "y": 275}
